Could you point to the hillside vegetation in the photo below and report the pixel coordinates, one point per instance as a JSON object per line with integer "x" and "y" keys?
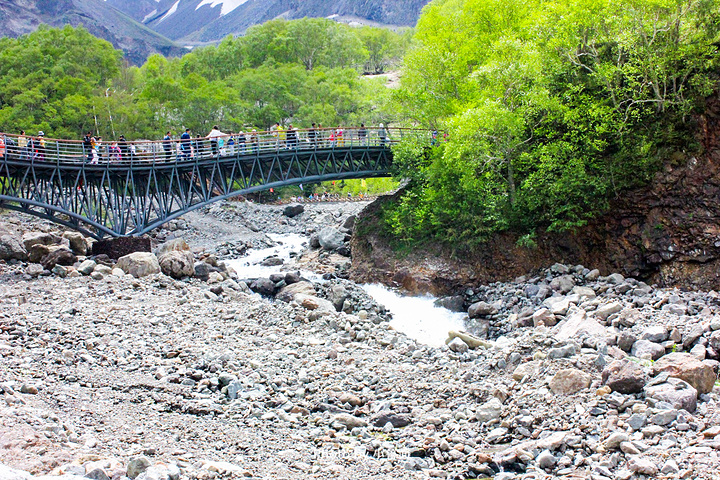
{"x": 552, "y": 109}
{"x": 67, "y": 82}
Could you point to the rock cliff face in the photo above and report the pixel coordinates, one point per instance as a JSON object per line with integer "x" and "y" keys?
{"x": 667, "y": 233}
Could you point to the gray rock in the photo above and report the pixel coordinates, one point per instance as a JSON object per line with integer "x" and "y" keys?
{"x": 397, "y": 420}
{"x": 557, "y": 305}
{"x": 137, "y": 465}
{"x": 175, "y": 259}
{"x": 481, "y": 309}
{"x": 331, "y": 238}
{"x": 656, "y": 333}
{"x": 664, "y": 417}
{"x": 34, "y": 270}
{"x": 97, "y": 474}
{"x": 58, "y": 256}
{"x": 607, "y": 309}
{"x": 457, "y": 345}
{"x": 30, "y": 239}
{"x": 563, "y": 352}
{"x": 689, "y": 339}
{"x": 642, "y": 465}
{"x": 11, "y": 248}
{"x": 624, "y": 376}
{"x": 273, "y": 261}
{"x": 626, "y": 340}
{"x": 674, "y": 391}
{"x": 563, "y": 284}
{"x": 576, "y": 325}
{"x": 615, "y": 439}
{"x": 288, "y": 292}
{"x": 453, "y": 303}
{"x": 139, "y": 264}
{"x": 293, "y": 210}
{"x": 585, "y": 293}
{"x": 647, "y": 350}
{"x": 544, "y": 317}
{"x": 569, "y": 381}
{"x": 592, "y": 275}
{"x": 263, "y": 286}
{"x": 670, "y": 467}
{"x": 615, "y": 279}
{"x": 349, "y": 421}
{"x": 637, "y": 421}
{"x": 546, "y": 460}
{"x": 488, "y": 411}
{"x": 87, "y": 267}
{"x": 78, "y": 243}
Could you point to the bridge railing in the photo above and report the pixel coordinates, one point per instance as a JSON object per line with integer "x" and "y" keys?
{"x": 38, "y": 149}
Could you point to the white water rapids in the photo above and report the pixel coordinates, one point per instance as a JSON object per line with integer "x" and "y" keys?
{"x": 416, "y": 317}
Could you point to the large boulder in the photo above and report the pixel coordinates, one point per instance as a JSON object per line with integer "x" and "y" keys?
{"x": 175, "y": 259}
{"x": 263, "y": 286}
{"x": 338, "y": 294}
{"x": 288, "y": 292}
{"x": 331, "y": 238}
{"x": 311, "y": 302}
{"x": 11, "y": 248}
{"x": 453, "y": 303}
{"x": 58, "y": 256}
{"x": 37, "y": 238}
{"x": 624, "y": 376}
{"x": 569, "y": 381}
{"x": 78, "y": 243}
{"x": 647, "y": 350}
{"x": 688, "y": 368}
{"x": 293, "y": 210}
{"x": 481, "y": 309}
{"x": 177, "y": 264}
{"x": 676, "y": 392}
{"x": 139, "y": 264}
{"x": 576, "y": 325}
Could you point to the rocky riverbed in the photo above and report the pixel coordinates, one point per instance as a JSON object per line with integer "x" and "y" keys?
{"x": 118, "y": 370}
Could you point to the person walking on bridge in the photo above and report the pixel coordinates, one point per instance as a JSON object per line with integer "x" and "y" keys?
{"x": 362, "y": 134}
{"x": 122, "y": 143}
{"x": 167, "y": 146}
{"x": 185, "y": 147}
{"x": 382, "y": 135}
{"x": 87, "y": 146}
{"x": 214, "y": 137}
{"x": 23, "y": 145}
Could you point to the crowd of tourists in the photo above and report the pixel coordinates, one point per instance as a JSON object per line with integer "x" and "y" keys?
{"x": 93, "y": 149}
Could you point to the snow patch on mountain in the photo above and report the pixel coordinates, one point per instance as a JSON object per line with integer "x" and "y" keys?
{"x": 227, "y": 5}
{"x": 172, "y": 10}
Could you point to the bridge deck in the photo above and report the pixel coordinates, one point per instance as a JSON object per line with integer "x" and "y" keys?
{"x": 135, "y": 188}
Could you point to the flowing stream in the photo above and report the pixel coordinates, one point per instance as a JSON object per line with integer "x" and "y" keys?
{"x": 416, "y": 317}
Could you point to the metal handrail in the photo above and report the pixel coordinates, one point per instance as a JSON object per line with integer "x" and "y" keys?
{"x": 40, "y": 150}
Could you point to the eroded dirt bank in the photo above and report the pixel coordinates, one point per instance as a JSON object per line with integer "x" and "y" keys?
{"x": 667, "y": 233}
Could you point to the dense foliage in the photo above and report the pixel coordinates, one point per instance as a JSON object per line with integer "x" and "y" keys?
{"x": 552, "y": 108}
{"x": 67, "y": 82}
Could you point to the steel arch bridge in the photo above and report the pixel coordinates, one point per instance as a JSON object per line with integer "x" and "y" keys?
{"x": 132, "y": 188}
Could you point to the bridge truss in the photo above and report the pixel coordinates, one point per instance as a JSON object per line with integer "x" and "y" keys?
{"x": 131, "y": 197}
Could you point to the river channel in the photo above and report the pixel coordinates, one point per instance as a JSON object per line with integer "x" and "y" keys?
{"x": 416, "y": 316}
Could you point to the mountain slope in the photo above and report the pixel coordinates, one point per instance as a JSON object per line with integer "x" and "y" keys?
{"x": 198, "y": 21}
{"x": 18, "y": 17}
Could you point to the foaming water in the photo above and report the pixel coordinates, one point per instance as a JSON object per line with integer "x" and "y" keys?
{"x": 249, "y": 266}
{"x": 417, "y": 317}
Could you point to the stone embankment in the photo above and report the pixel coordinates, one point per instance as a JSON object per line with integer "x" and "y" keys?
{"x": 134, "y": 369}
